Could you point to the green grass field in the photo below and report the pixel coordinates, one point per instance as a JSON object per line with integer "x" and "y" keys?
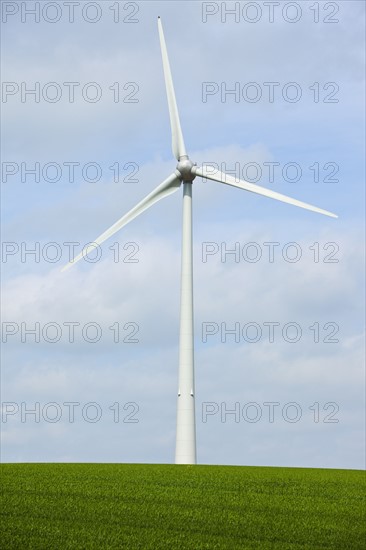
{"x": 136, "y": 506}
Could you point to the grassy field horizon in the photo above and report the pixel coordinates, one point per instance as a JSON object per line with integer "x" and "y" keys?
{"x": 91, "y": 505}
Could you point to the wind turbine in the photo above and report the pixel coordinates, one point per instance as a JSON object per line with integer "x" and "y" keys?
{"x": 185, "y": 173}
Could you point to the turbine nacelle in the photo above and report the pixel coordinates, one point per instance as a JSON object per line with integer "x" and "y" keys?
{"x": 186, "y": 169}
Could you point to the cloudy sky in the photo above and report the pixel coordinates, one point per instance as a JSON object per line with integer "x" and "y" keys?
{"x": 273, "y": 92}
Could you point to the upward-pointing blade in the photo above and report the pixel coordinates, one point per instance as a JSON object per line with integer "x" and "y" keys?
{"x": 178, "y": 146}
{"x": 211, "y": 173}
{"x": 170, "y": 185}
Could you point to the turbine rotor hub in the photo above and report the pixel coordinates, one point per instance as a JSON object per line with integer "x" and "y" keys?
{"x": 185, "y": 169}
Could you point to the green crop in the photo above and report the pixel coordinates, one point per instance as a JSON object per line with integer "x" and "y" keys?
{"x": 138, "y": 506}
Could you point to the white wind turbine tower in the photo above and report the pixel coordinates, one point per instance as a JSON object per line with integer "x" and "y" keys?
{"x": 185, "y": 172}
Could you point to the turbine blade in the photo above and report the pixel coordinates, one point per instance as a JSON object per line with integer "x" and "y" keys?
{"x": 211, "y": 173}
{"x": 170, "y": 185}
{"x": 178, "y": 146}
